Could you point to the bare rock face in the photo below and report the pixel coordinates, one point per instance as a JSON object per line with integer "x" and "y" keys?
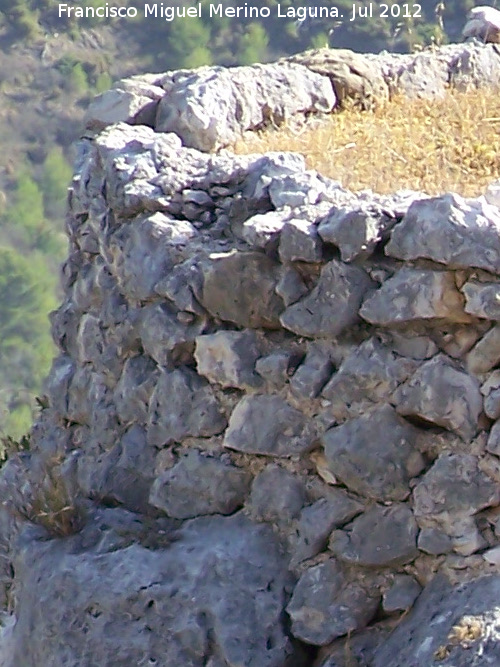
{"x": 466, "y": 635}
{"x": 91, "y": 611}
{"x": 271, "y": 435}
{"x": 248, "y": 301}
{"x": 332, "y": 305}
{"x": 374, "y": 455}
{"x": 353, "y": 76}
{"x": 450, "y": 230}
{"x": 380, "y": 537}
{"x": 457, "y": 408}
{"x": 321, "y": 609}
{"x": 254, "y": 97}
{"x": 268, "y": 425}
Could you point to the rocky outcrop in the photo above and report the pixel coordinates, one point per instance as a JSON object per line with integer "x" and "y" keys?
{"x": 273, "y": 417}
{"x": 212, "y": 107}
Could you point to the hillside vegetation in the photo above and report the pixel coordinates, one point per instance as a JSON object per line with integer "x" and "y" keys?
{"x": 436, "y": 146}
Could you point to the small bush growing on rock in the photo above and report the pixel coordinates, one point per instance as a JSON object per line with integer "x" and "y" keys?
{"x": 53, "y": 506}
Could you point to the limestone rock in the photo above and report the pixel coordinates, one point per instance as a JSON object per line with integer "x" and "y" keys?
{"x": 229, "y": 569}
{"x": 374, "y": 455}
{"x": 317, "y": 521}
{"x": 118, "y": 105}
{"x": 355, "y": 232}
{"x": 273, "y": 368}
{"x": 380, "y": 537}
{"x": 484, "y": 24}
{"x": 482, "y": 299}
{"x": 314, "y": 371}
{"x": 415, "y": 295}
{"x": 493, "y": 444}
{"x": 268, "y": 425}
{"x": 491, "y": 392}
{"x": 198, "y": 485}
{"x": 451, "y": 230}
{"x": 163, "y": 334}
{"x": 209, "y": 108}
{"x": 133, "y": 391}
{"x": 129, "y": 481}
{"x": 332, "y": 305}
{"x": 260, "y": 231}
{"x": 277, "y": 495}
{"x": 369, "y": 375}
{"x": 450, "y": 493}
{"x": 228, "y": 358}
{"x": 298, "y": 190}
{"x": 181, "y": 405}
{"x": 291, "y": 286}
{"x": 451, "y": 625}
{"x": 239, "y": 288}
{"x": 299, "y": 242}
{"x": 402, "y": 594}
{"x": 433, "y": 541}
{"x": 485, "y": 355}
{"x": 425, "y": 77}
{"x": 360, "y": 646}
{"x": 353, "y": 76}
{"x": 322, "y": 608}
{"x": 442, "y": 395}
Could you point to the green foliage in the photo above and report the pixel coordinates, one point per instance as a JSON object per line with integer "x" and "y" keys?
{"x": 253, "y": 45}
{"x": 103, "y": 82}
{"x": 56, "y": 177}
{"x": 22, "y": 17}
{"x": 27, "y": 295}
{"x": 76, "y": 79}
{"x": 187, "y": 44}
{"x": 78, "y": 82}
{"x": 25, "y": 215}
{"x": 17, "y": 423}
{"x": 24, "y": 221}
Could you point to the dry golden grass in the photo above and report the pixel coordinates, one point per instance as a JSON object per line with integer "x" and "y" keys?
{"x": 431, "y": 145}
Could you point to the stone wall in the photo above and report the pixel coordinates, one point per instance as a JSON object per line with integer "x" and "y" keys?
{"x": 272, "y": 421}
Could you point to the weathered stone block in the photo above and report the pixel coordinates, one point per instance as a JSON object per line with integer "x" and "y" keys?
{"x": 369, "y": 375}
{"x": 317, "y": 521}
{"x": 228, "y": 358}
{"x": 299, "y": 242}
{"x": 265, "y": 424}
{"x": 450, "y": 230}
{"x": 485, "y": 355}
{"x": 482, "y": 299}
{"x": 277, "y": 495}
{"x": 354, "y": 232}
{"x": 374, "y": 455}
{"x": 323, "y": 607}
{"x": 415, "y": 295}
{"x": 441, "y": 394}
{"x": 182, "y": 405}
{"x": 239, "y": 287}
{"x": 332, "y": 305}
{"x": 454, "y": 484}
{"x": 198, "y": 485}
{"x": 381, "y": 537}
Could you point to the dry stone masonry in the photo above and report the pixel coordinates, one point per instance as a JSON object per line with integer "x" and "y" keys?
{"x": 271, "y": 430}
